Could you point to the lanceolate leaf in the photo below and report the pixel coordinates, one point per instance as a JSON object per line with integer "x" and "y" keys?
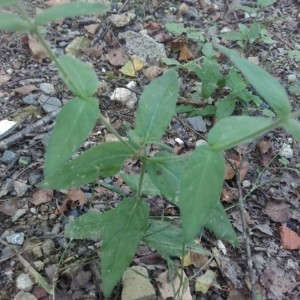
{"x": 73, "y": 125}
{"x": 100, "y": 161}
{"x": 127, "y": 225}
{"x": 11, "y": 22}
{"x": 156, "y": 108}
{"x": 88, "y": 226}
{"x": 200, "y": 189}
{"x": 71, "y": 9}
{"x": 236, "y": 130}
{"x": 165, "y": 174}
{"x": 7, "y": 2}
{"x": 220, "y": 225}
{"x": 148, "y": 187}
{"x": 293, "y": 127}
{"x": 80, "y": 78}
{"x": 167, "y": 239}
{"x": 264, "y": 83}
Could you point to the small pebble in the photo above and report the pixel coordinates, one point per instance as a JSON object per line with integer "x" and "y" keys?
{"x": 24, "y": 282}
{"x": 286, "y": 151}
{"x": 16, "y": 238}
{"x": 246, "y": 183}
{"x": 30, "y": 100}
{"x": 292, "y": 78}
{"x": 9, "y": 157}
{"x": 47, "y": 88}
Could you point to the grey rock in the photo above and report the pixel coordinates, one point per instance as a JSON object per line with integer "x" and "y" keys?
{"x": 49, "y": 104}
{"x": 292, "y": 78}
{"x": 122, "y": 20}
{"x": 197, "y": 123}
{"x": 34, "y": 177}
{"x": 47, "y": 88}
{"x": 19, "y": 213}
{"x": 9, "y": 157}
{"x": 137, "y": 285}
{"x": 30, "y": 100}
{"x": 16, "y": 238}
{"x": 20, "y": 188}
{"x": 48, "y": 247}
{"x": 24, "y": 282}
{"x": 143, "y": 46}
{"x": 6, "y": 252}
{"x": 24, "y": 296}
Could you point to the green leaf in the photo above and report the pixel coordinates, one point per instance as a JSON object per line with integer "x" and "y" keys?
{"x": 165, "y": 173}
{"x": 170, "y": 62}
{"x": 225, "y": 108}
{"x": 100, "y": 161}
{"x": 233, "y": 36}
{"x": 254, "y": 32}
{"x": 148, "y": 187}
{"x": 11, "y": 22}
{"x": 236, "y": 130}
{"x": 295, "y": 54}
{"x": 210, "y": 76}
{"x": 293, "y": 127}
{"x": 80, "y": 78}
{"x": 175, "y": 28}
{"x": 209, "y": 51}
{"x": 167, "y": 239}
{"x": 127, "y": 225}
{"x": 88, "y": 226}
{"x": 68, "y": 10}
{"x": 235, "y": 82}
{"x": 220, "y": 225}
{"x": 264, "y": 83}
{"x": 156, "y": 107}
{"x": 7, "y": 3}
{"x": 265, "y": 3}
{"x": 73, "y": 125}
{"x": 200, "y": 189}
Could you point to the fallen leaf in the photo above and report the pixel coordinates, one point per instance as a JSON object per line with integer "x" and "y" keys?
{"x": 153, "y": 72}
{"x": 168, "y": 288}
{"x": 185, "y": 54}
{"x": 51, "y": 3}
{"x": 266, "y": 150}
{"x": 92, "y": 28}
{"x": 9, "y": 206}
{"x": 25, "y": 90}
{"x": 205, "y": 281}
{"x": 42, "y": 196}
{"x": 117, "y": 57}
{"x": 93, "y": 52}
{"x": 4, "y": 78}
{"x": 226, "y": 195}
{"x": 36, "y": 49}
{"x": 290, "y": 240}
{"x": 73, "y": 199}
{"x": 131, "y": 67}
{"x": 77, "y": 46}
{"x": 277, "y": 211}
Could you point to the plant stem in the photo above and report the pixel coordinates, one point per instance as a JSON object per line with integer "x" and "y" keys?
{"x": 142, "y": 173}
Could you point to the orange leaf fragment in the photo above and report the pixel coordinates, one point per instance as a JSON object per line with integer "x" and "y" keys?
{"x": 290, "y": 240}
{"x": 41, "y": 197}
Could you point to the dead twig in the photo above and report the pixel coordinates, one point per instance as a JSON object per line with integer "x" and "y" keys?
{"x": 29, "y": 129}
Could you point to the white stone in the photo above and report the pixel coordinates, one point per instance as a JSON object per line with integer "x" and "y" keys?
{"x": 286, "y": 151}
{"x": 179, "y": 141}
{"x": 137, "y": 285}
{"x": 125, "y": 96}
{"x": 246, "y": 183}
{"x": 6, "y": 125}
{"x": 200, "y": 142}
{"x": 24, "y": 282}
{"x": 24, "y": 296}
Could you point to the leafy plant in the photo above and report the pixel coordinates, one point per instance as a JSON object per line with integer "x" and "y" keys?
{"x": 260, "y": 4}
{"x": 192, "y": 182}
{"x": 247, "y": 36}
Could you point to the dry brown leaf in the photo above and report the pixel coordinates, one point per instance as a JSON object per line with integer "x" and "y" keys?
{"x": 93, "y": 52}
{"x": 36, "y": 49}
{"x": 117, "y": 57}
{"x": 42, "y": 196}
{"x": 153, "y": 72}
{"x": 266, "y": 150}
{"x": 290, "y": 240}
{"x": 9, "y": 207}
{"x": 92, "y": 28}
{"x": 73, "y": 198}
{"x": 25, "y": 90}
{"x": 51, "y": 3}
{"x": 226, "y": 195}
{"x": 185, "y": 54}
{"x": 277, "y": 211}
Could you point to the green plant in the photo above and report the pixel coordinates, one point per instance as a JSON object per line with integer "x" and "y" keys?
{"x": 192, "y": 182}
{"x": 247, "y": 36}
{"x": 254, "y": 9}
